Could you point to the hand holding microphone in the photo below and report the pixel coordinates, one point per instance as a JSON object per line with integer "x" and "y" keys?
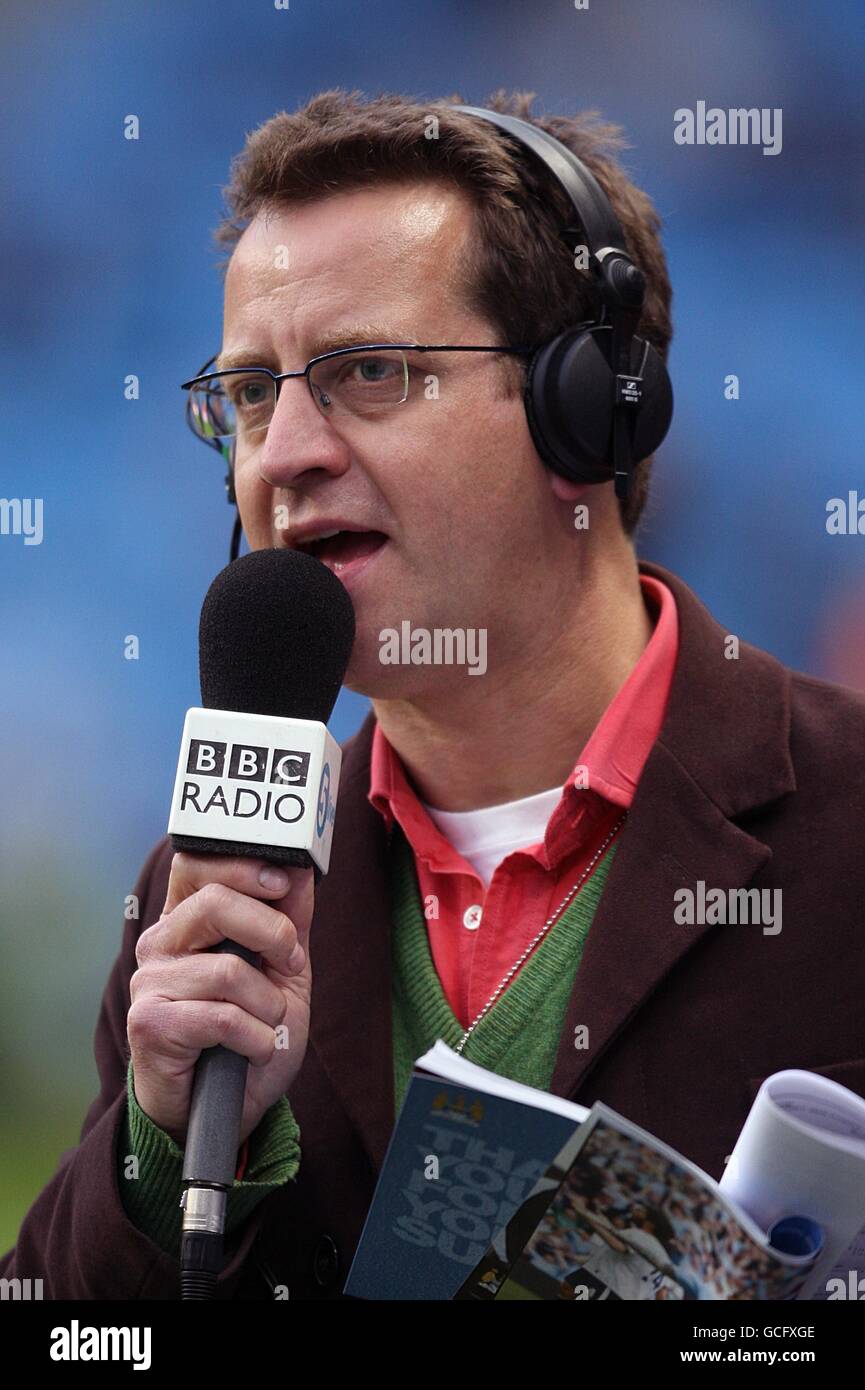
{"x": 255, "y": 790}
{"x": 186, "y": 998}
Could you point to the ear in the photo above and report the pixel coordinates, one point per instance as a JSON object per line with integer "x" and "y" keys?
{"x": 565, "y": 490}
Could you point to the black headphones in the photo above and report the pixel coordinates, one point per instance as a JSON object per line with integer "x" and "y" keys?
{"x": 598, "y": 398}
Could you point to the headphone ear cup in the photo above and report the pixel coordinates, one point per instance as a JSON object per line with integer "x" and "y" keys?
{"x": 569, "y": 403}
{"x": 655, "y": 410}
{"x": 568, "y": 392}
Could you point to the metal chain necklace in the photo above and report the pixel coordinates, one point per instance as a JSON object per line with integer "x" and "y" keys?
{"x": 542, "y": 933}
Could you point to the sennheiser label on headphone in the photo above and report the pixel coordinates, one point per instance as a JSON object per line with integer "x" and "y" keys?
{"x": 629, "y": 390}
{"x": 258, "y": 780}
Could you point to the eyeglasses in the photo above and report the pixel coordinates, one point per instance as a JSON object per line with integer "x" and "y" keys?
{"x": 233, "y": 408}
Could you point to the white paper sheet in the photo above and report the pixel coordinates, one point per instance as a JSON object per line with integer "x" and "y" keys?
{"x": 802, "y": 1153}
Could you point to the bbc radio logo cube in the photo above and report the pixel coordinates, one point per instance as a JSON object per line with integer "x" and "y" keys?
{"x": 288, "y": 767}
{"x": 257, "y": 779}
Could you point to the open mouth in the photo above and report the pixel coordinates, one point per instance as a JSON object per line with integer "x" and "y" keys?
{"x": 345, "y": 548}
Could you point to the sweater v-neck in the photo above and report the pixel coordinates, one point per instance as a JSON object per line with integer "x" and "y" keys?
{"x": 519, "y": 1036}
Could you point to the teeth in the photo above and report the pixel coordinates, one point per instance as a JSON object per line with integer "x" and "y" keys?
{"x": 320, "y": 536}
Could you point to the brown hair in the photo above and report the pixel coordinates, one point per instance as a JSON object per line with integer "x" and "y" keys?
{"x": 520, "y": 273}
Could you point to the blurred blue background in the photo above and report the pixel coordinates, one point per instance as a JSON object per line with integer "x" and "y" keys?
{"x": 108, "y": 269}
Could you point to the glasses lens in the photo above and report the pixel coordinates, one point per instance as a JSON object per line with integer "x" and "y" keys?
{"x": 360, "y": 382}
{"x": 233, "y": 405}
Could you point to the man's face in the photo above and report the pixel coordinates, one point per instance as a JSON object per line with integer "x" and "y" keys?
{"x": 450, "y": 477}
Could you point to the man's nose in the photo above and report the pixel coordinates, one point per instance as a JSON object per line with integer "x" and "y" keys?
{"x": 299, "y": 439}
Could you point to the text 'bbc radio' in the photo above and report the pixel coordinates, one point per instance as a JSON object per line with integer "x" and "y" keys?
{"x": 244, "y": 763}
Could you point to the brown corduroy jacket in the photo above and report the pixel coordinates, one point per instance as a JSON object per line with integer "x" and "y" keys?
{"x": 756, "y": 780}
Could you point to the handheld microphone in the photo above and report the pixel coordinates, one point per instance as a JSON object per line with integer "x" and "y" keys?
{"x": 257, "y": 775}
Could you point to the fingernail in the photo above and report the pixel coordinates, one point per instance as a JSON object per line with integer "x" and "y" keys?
{"x": 297, "y": 958}
{"x": 273, "y": 878}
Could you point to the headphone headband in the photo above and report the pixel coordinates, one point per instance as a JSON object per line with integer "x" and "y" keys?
{"x": 602, "y": 228}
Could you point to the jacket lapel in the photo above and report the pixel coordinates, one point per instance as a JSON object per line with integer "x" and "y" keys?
{"x": 723, "y": 749}
{"x": 350, "y": 1027}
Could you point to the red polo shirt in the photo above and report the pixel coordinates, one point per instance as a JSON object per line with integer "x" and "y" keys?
{"x": 471, "y": 959}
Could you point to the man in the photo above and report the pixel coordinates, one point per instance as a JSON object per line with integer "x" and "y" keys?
{"x": 533, "y": 823}
{"x": 627, "y": 1260}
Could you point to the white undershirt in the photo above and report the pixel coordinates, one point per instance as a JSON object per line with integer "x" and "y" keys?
{"x": 484, "y": 838}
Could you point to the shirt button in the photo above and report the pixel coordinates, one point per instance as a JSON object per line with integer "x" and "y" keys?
{"x": 472, "y": 917}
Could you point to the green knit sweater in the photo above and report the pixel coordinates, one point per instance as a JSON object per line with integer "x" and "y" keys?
{"x": 517, "y": 1038}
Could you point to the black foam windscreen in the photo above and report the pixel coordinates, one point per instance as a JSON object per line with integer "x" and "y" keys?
{"x": 275, "y": 636}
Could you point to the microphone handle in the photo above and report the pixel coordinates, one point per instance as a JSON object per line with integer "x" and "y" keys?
{"x": 216, "y": 1104}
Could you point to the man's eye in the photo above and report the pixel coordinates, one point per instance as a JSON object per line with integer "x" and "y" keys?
{"x": 375, "y": 369}
{"x": 248, "y": 394}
